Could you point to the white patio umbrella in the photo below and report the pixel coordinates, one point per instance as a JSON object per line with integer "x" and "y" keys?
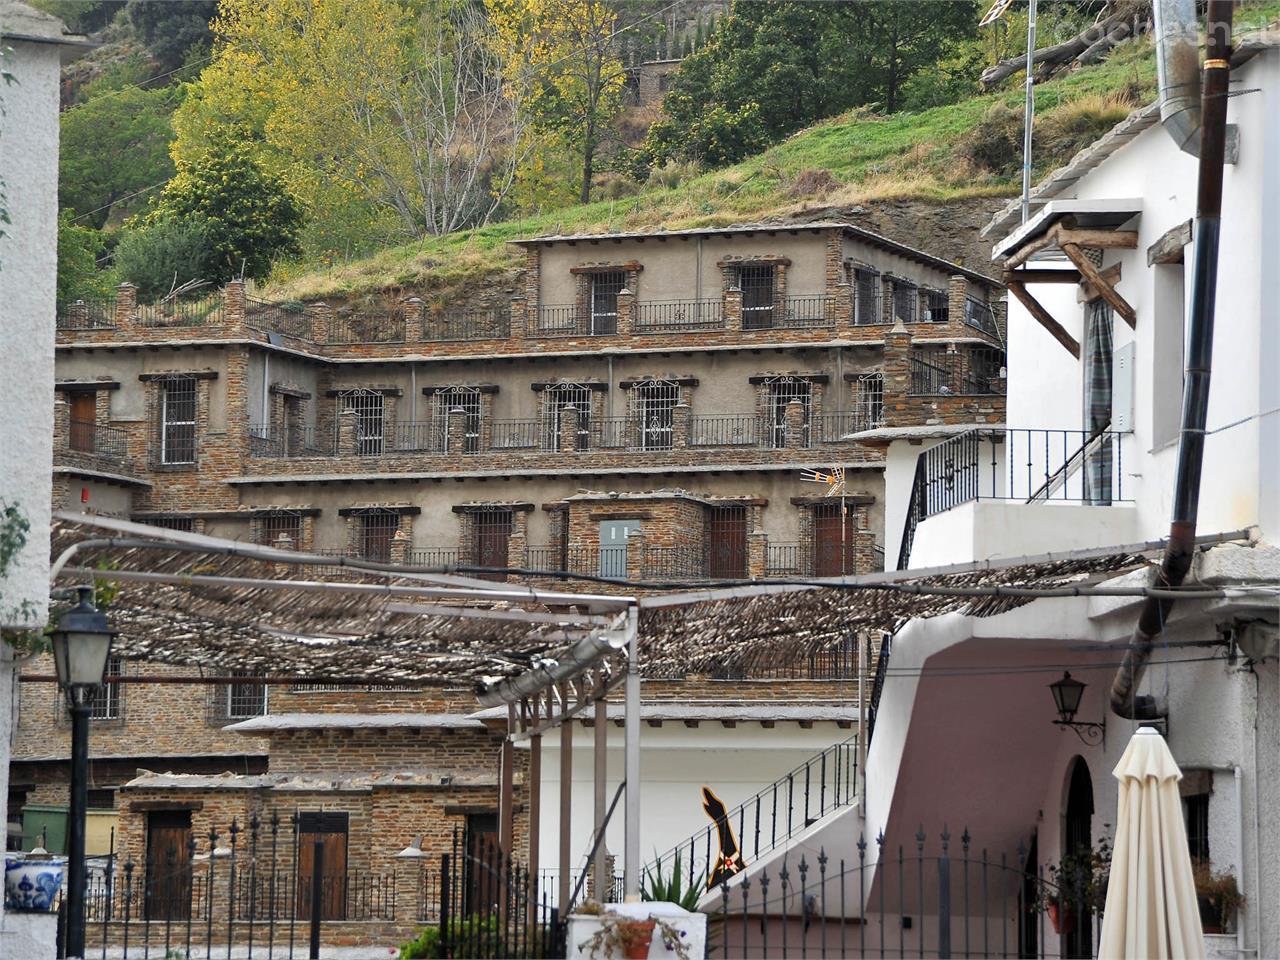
{"x": 1151, "y": 911}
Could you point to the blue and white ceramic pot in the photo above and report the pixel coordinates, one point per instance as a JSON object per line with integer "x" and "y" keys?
{"x": 32, "y": 884}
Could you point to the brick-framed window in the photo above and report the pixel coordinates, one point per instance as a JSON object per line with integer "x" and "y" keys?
{"x": 178, "y": 414}
{"x": 934, "y": 305}
{"x": 464, "y": 398}
{"x": 490, "y": 531}
{"x": 865, "y": 289}
{"x": 555, "y": 398}
{"x": 605, "y": 287}
{"x": 759, "y": 291}
{"x": 868, "y": 400}
{"x": 781, "y": 391}
{"x": 244, "y": 700}
{"x": 906, "y": 300}
{"x": 370, "y": 408}
{"x": 106, "y": 702}
{"x": 653, "y": 404}
{"x": 182, "y": 524}
{"x": 377, "y": 527}
{"x": 272, "y": 526}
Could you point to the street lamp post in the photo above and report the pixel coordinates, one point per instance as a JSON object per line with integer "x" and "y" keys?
{"x": 81, "y": 646}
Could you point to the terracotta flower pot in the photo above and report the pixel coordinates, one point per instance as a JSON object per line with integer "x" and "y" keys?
{"x": 1062, "y": 918}
{"x": 640, "y": 936}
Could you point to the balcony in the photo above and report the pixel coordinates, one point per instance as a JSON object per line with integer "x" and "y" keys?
{"x": 87, "y": 315}
{"x": 977, "y": 371}
{"x": 96, "y": 447}
{"x": 1006, "y": 492}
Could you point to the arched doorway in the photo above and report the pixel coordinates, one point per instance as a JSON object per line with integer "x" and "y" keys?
{"x": 1077, "y": 842}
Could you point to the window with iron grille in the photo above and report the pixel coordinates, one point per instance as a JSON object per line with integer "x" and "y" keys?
{"x": 275, "y": 525}
{"x": 933, "y": 306}
{"x": 653, "y": 403}
{"x": 178, "y": 420}
{"x": 781, "y": 393}
{"x": 491, "y": 538}
{"x": 870, "y": 400}
{"x": 468, "y": 399}
{"x": 726, "y": 542}
{"x": 185, "y": 524}
{"x": 866, "y": 296}
{"x": 1196, "y": 809}
{"x": 105, "y": 701}
{"x": 757, "y": 282}
{"x": 905, "y": 297}
{"x": 369, "y": 407}
{"x": 604, "y": 300}
{"x": 244, "y": 700}
{"x": 377, "y": 527}
{"x": 554, "y": 399}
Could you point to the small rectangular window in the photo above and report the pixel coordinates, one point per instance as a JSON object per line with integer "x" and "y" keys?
{"x": 905, "y": 301}
{"x": 781, "y": 393}
{"x": 1196, "y": 808}
{"x": 934, "y": 304}
{"x": 102, "y": 799}
{"x": 178, "y": 420}
{"x": 866, "y": 296}
{"x": 244, "y": 700}
{"x": 757, "y": 282}
{"x": 605, "y": 288}
{"x": 376, "y": 530}
{"x": 369, "y": 406}
{"x": 276, "y": 525}
{"x": 105, "y": 701}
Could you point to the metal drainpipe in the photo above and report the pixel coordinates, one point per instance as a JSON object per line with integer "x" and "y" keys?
{"x": 1195, "y": 402}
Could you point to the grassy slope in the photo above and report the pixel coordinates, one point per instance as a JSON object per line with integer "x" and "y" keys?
{"x": 906, "y": 155}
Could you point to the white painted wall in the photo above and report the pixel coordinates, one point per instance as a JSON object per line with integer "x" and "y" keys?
{"x": 28, "y": 274}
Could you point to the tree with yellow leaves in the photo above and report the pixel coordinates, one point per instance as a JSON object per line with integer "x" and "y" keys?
{"x": 562, "y": 57}
{"x": 398, "y": 106}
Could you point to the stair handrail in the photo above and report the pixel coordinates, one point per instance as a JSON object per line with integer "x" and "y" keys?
{"x": 1071, "y": 464}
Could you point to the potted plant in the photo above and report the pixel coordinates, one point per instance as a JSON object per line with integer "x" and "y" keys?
{"x": 630, "y": 937}
{"x": 1077, "y": 881}
{"x": 1218, "y": 895}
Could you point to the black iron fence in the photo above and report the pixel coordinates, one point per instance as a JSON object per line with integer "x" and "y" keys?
{"x": 288, "y": 318}
{"x": 204, "y": 310}
{"x": 373, "y": 327}
{"x": 98, "y": 440}
{"x": 571, "y": 320}
{"x": 675, "y": 316}
{"x": 967, "y": 372}
{"x": 87, "y": 315}
{"x": 274, "y": 888}
{"x": 924, "y": 897}
{"x": 301, "y": 441}
{"x": 492, "y": 324}
{"x": 979, "y": 315}
{"x": 817, "y": 310}
{"x": 771, "y": 817}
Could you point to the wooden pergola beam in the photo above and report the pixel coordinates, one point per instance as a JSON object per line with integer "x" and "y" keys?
{"x": 1060, "y": 233}
{"x": 1037, "y": 310}
{"x": 1100, "y": 283}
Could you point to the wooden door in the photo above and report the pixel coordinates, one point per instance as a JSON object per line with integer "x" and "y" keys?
{"x": 832, "y": 541}
{"x": 168, "y": 878}
{"x": 322, "y": 859}
{"x": 482, "y": 873}
{"x": 727, "y": 543}
{"x": 83, "y": 413}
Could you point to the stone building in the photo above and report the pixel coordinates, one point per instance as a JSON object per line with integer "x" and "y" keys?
{"x": 646, "y": 407}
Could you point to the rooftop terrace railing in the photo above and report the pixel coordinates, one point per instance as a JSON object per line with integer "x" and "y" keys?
{"x": 678, "y": 316}
{"x": 87, "y": 315}
{"x": 191, "y": 310}
{"x": 448, "y": 326}
{"x": 366, "y": 327}
{"x": 288, "y": 318}
{"x": 98, "y": 439}
{"x": 974, "y": 371}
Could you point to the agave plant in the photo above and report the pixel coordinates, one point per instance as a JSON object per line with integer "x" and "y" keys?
{"x": 656, "y": 885}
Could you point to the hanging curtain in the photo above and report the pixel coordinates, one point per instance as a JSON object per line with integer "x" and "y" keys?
{"x": 1097, "y": 402}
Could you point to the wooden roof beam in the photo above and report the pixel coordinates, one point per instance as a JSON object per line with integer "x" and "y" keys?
{"x": 1100, "y": 283}
{"x": 1037, "y": 310}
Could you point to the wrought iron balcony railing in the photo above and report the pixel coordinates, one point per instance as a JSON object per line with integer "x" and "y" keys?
{"x": 676, "y": 316}
{"x": 98, "y": 440}
{"x": 87, "y": 315}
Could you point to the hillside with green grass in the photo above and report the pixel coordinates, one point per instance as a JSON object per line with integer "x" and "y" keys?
{"x": 965, "y": 155}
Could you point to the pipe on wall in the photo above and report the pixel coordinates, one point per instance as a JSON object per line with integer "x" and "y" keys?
{"x": 1180, "y": 550}
{"x": 1178, "y": 71}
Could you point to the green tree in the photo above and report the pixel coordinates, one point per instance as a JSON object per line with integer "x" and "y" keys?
{"x": 159, "y": 256}
{"x": 249, "y": 217}
{"x": 78, "y": 250}
{"x": 113, "y": 146}
{"x": 769, "y": 69}
{"x": 173, "y": 32}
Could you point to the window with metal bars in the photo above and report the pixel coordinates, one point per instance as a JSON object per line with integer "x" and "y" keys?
{"x": 106, "y": 701}
{"x": 377, "y": 527}
{"x": 1196, "y": 810}
{"x": 781, "y": 393}
{"x": 605, "y": 288}
{"x": 490, "y": 539}
{"x": 870, "y": 400}
{"x": 369, "y": 406}
{"x": 554, "y": 399}
{"x": 726, "y": 542}
{"x": 244, "y": 700}
{"x": 653, "y": 404}
{"x": 178, "y": 420}
{"x": 866, "y": 296}
{"x": 275, "y": 525}
{"x": 905, "y": 301}
{"x": 758, "y": 282}
{"x": 934, "y": 306}
{"x": 468, "y": 399}
{"x": 185, "y": 524}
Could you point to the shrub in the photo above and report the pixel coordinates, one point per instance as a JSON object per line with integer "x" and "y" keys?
{"x": 812, "y": 183}
{"x": 674, "y": 173}
{"x": 1072, "y": 126}
{"x": 995, "y": 144}
{"x": 78, "y": 252}
{"x": 425, "y": 946}
{"x": 158, "y": 256}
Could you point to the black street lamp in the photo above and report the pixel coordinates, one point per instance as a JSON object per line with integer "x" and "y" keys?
{"x": 1066, "y": 697}
{"x": 81, "y": 646}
